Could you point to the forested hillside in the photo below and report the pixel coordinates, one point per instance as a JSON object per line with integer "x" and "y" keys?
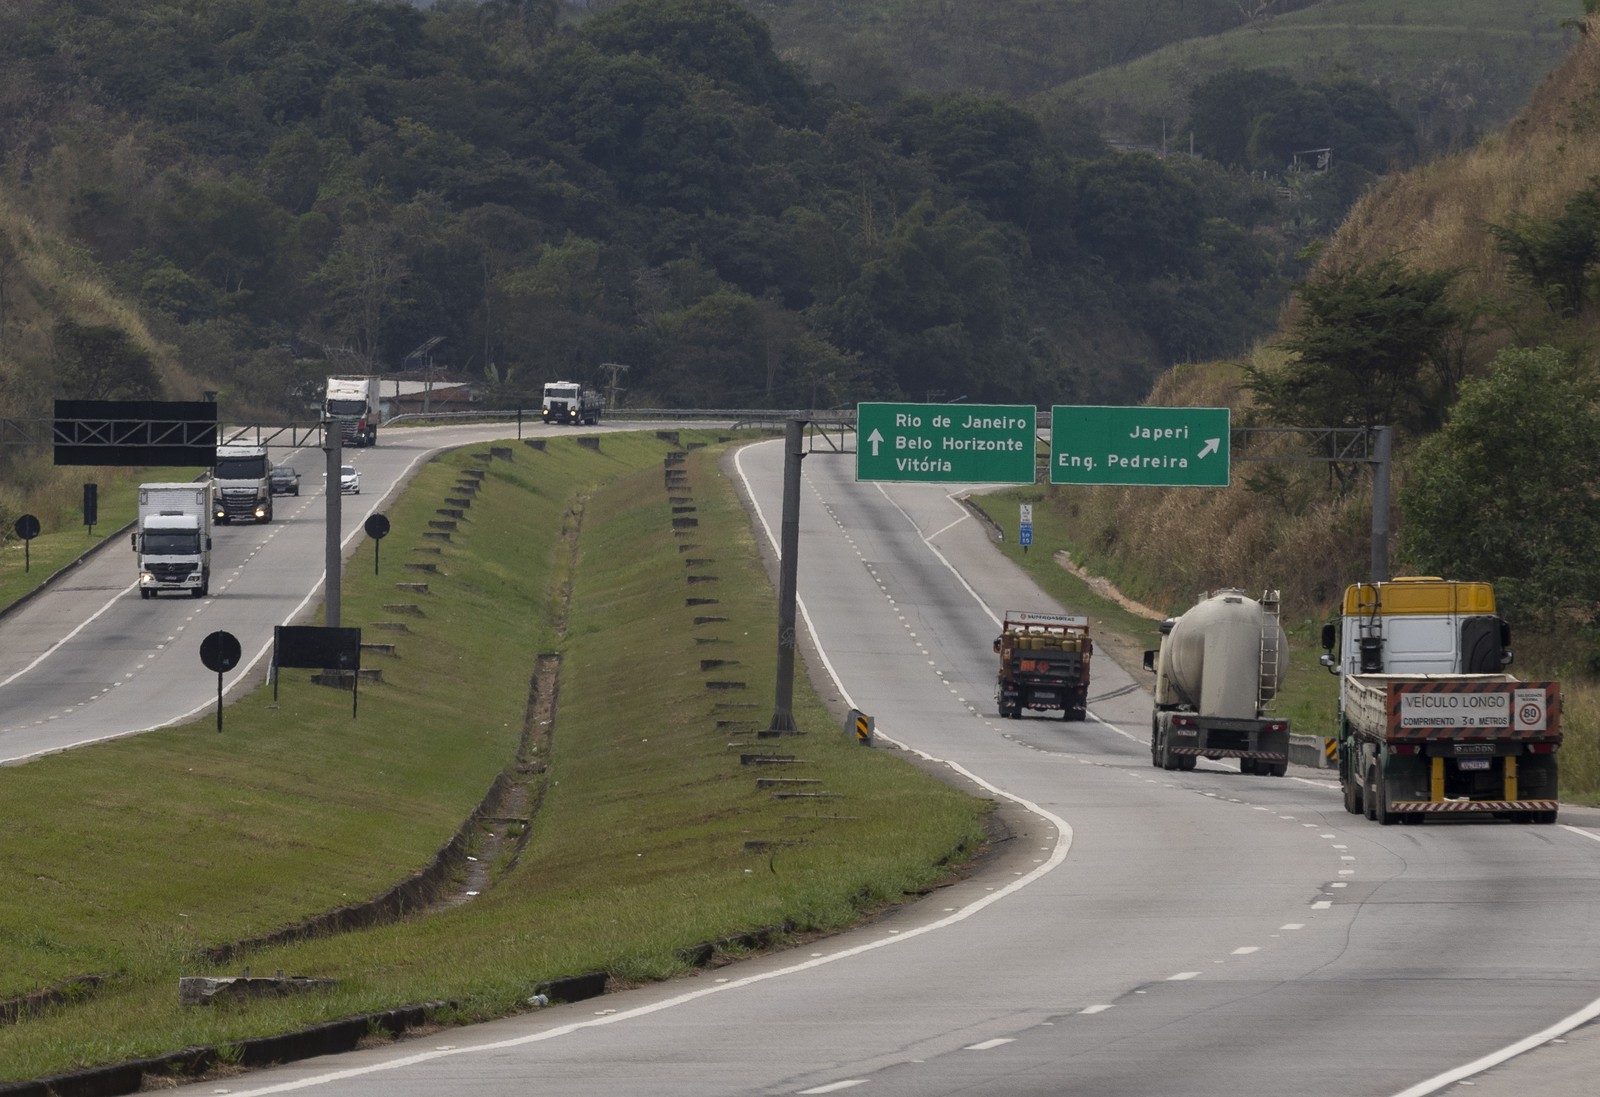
{"x": 1453, "y": 69}
{"x": 277, "y": 185}
{"x": 1459, "y": 304}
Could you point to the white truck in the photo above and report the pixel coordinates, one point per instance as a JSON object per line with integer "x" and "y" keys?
{"x": 241, "y": 479}
{"x": 1218, "y": 667}
{"x": 570, "y": 402}
{"x": 352, "y": 402}
{"x": 1430, "y": 724}
{"x": 173, "y": 539}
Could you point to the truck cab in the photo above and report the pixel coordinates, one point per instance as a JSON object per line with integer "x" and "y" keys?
{"x": 242, "y": 477}
{"x": 1418, "y": 625}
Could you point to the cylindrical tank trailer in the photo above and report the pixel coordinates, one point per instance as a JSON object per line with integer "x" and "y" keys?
{"x": 1218, "y": 666}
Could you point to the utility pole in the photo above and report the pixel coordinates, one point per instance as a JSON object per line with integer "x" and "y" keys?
{"x": 612, "y": 389}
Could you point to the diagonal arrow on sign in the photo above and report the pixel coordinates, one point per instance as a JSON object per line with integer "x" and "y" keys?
{"x": 1211, "y": 446}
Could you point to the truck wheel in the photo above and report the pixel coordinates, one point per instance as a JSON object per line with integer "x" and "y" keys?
{"x": 1186, "y": 762}
{"x": 1380, "y": 810}
{"x": 1544, "y": 818}
{"x": 198, "y": 592}
{"x": 144, "y": 594}
{"x": 1278, "y": 769}
{"x": 1079, "y": 714}
{"x": 1352, "y": 796}
{"x": 1369, "y": 795}
{"x": 1247, "y": 766}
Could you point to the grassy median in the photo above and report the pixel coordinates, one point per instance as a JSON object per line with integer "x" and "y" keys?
{"x": 131, "y": 859}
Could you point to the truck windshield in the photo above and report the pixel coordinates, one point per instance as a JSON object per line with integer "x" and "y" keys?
{"x": 171, "y": 542}
{"x": 241, "y": 468}
{"x": 347, "y": 407}
{"x": 561, "y": 392}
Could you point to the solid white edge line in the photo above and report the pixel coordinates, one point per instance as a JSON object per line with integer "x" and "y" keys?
{"x": 1510, "y": 1051}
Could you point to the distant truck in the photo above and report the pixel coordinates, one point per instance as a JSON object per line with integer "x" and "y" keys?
{"x": 1044, "y": 664}
{"x": 352, "y": 402}
{"x": 1218, "y": 667}
{"x": 1429, "y": 721}
{"x": 173, "y": 539}
{"x": 570, "y": 402}
{"x": 242, "y": 482}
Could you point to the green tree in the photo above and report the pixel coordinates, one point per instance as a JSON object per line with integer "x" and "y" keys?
{"x": 1223, "y": 110}
{"x": 1506, "y": 490}
{"x": 1374, "y": 345}
{"x": 1555, "y": 256}
{"x": 100, "y": 362}
{"x": 717, "y": 39}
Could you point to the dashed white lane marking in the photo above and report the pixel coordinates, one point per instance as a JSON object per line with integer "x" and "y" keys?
{"x": 1322, "y": 904}
{"x": 1246, "y": 950}
{"x": 835, "y": 1087}
{"x": 987, "y": 1044}
{"x": 1094, "y": 1009}
{"x": 1182, "y": 975}
{"x": 1293, "y": 925}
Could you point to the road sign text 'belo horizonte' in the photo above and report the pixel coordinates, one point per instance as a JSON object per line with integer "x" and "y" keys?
{"x": 1145, "y": 446}
{"x": 946, "y": 443}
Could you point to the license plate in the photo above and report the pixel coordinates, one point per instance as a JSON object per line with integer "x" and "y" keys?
{"x": 1473, "y": 763}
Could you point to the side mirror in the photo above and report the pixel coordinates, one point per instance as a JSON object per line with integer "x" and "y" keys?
{"x": 1328, "y": 636}
{"x": 133, "y": 540}
{"x": 1150, "y": 661}
{"x": 997, "y": 645}
{"x": 208, "y": 541}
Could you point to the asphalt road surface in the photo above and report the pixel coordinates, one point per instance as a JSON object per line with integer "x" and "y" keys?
{"x": 1138, "y": 932}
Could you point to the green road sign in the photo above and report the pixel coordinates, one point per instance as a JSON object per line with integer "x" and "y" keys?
{"x": 1149, "y": 447}
{"x": 946, "y": 443}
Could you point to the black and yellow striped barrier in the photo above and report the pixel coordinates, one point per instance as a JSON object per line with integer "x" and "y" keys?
{"x": 860, "y": 725}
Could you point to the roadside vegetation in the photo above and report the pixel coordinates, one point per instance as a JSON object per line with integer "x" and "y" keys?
{"x": 132, "y": 859}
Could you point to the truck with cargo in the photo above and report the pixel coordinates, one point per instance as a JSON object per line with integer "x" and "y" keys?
{"x": 570, "y": 402}
{"x": 241, "y": 480}
{"x": 1430, "y": 724}
{"x": 1219, "y": 666}
{"x": 173, "y": 539}
{"x": 352, "y": 402}
{"x": 1044, "y": 664}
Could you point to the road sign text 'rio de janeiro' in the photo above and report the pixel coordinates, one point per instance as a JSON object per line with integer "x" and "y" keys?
{"x": 1141, "y": 446}
{"x": 946, "y": 443}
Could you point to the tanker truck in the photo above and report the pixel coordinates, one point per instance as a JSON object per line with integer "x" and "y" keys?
{"x": 1430, "y": 724}
{"x": 1218, "y": 666}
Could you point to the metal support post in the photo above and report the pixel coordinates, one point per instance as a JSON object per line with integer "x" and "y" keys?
{"x": 334, "y": 517}
{"x": 788, "y": 575}
{"x": 1382, "y": 447}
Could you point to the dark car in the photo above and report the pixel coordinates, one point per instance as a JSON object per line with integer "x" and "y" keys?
{"x": 284, "y": 480}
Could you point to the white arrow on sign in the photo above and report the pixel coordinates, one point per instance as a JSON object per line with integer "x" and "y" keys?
{"x": 1212, "y": 446}
{"x": 875, "y": 438}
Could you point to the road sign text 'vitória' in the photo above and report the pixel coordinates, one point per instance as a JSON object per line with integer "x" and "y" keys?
{"x": 946, "y": 443}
